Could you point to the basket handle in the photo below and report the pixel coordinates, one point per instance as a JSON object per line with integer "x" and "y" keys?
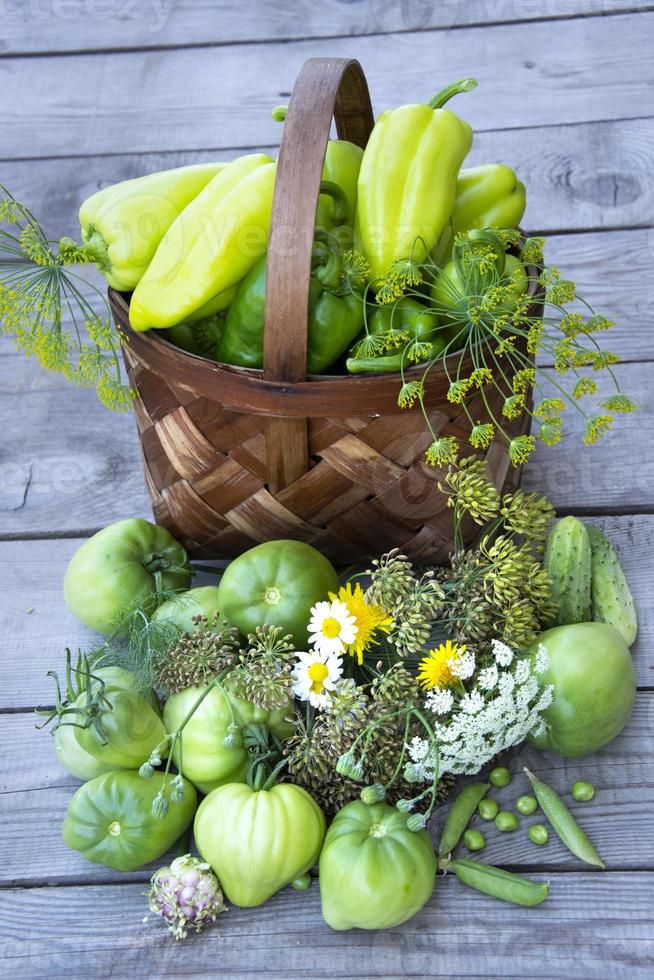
{"x": 325, "y": 88}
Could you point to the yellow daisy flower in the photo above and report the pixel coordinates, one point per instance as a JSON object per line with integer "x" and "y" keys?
{"x": 368, "y": 618}
{"x": 439, "y": 667}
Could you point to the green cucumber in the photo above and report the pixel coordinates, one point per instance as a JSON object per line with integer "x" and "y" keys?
{"x": 568, "y": 564}
{"x": 611, "y": 598}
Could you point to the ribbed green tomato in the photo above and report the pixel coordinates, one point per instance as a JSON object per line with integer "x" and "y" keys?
{"x": 258, "y": 841}
{"x": 180, "y": 610}
{"x": 110, "y": 821}
{"x": 84, "y": 762}
{"x": 204, "y": 758}
{"x": 277, "y": 583}
{"x": 594, "y": 688}
{"x": 374, "y": 873}
{"x": 126, "y": 562}
{"x": 131, "y": 728}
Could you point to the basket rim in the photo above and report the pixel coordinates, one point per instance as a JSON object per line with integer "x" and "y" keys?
{"x": 247, "y": 390}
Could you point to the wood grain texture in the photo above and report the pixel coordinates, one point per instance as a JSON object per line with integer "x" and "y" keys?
{"x": 568, "y": 72}
{"x": 588, "y": 175}
{"x": 79, "y": 26}
{"x": 31, "y": 848}
{"x": 593, "y": 926}
{"x": 33, "y": 642}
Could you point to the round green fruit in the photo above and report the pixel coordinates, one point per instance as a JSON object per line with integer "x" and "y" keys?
{"x": 124, "y": 564}
{"x": 180, "y": 610}
{"x": 276, "y": 583}
{"x": 594, "y": 688}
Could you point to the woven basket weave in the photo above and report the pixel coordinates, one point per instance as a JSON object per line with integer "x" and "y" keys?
{"x": 235, "y": 456}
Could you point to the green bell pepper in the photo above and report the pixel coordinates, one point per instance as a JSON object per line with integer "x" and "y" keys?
{"x": 199, "y": 337}
{"x": 407, "y": 181}
{"x": 335, "y": 313}
{"x": 398, "y": 328}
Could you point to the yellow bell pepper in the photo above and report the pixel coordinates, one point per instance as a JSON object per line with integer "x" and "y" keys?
{"x": 211, "y": 246}
{"x": 407, "y": 180}
{"x": 123, "y": 224}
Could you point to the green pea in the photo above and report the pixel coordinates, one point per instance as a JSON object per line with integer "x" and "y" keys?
{"x": 506, "y": 822}
{"x": 488, "y": 809}
{"x": 538, "y": 833}
{"x": 582, "y": 791}
{"x": 500, "y": 884}
{"x": 563, "y": 823}
{"x": 499, "y": 776}
{"x": 474, "y": 841}
{"x": 526, "y": 805}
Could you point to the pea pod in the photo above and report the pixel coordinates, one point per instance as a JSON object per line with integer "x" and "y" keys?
{"x": 460, "y": 815}
{"x": 505, "y": 885}
{"x": 563, "y": 823}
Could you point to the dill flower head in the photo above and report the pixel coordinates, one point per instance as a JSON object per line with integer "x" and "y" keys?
{"x": 369, "y": 618}
{"x": 444, "y": 666}
{"x": 442, "y": 451}
{"x": 471, "y": 491}
{"x": 197, "y": 657}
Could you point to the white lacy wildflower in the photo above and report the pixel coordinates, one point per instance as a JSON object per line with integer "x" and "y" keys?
{"x": 502, "y": 652}
{"x": 497, "y": 711}
{"x": 487, "y": 679}
{"x": 440, "y": 700}
{"x": 472, "y": 703}
{"x": 542, "y": 659}
{"x": 464, "y": 666}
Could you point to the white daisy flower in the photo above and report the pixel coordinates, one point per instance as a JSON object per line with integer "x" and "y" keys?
{"x": 316, "y": 674}
{"x": 502, "y": 652}
{"x": 331, "y": 627}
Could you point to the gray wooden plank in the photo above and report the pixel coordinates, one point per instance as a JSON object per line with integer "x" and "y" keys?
{"x": 35, "y": 793}
{"x": 591, "y": 175}
{"x": 144, "y": 24}
{"x": 570, "y": 72}
{"x": 593, "y": 926}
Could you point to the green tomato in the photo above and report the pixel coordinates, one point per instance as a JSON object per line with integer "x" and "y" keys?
{"x": 594, "y": 688}
{"x": 374, "y": 873}
{"x": 131, "y": 730}
{"x": 110, "y": 821}
{"x": 180, "y": 610}
{"x": 258, "y": 841}
{"x": 277, "y": 582}
{"x": 205, "y": 759}
{"x": 127, "y": 562}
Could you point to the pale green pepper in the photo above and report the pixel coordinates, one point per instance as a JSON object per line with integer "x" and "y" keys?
{"x": 211, "y": 246}
{"x": 407, "y": 180}
{"x": 123, "y": 224}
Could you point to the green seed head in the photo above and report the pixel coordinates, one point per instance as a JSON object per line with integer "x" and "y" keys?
{"x": 373, "y": 794}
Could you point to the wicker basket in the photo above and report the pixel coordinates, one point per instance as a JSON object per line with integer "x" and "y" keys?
{"x": 235, "y": 456}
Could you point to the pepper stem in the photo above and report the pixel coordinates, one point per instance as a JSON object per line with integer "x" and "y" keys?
{"x": 454, "y": 88}
{"x": 340, "y": 206}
